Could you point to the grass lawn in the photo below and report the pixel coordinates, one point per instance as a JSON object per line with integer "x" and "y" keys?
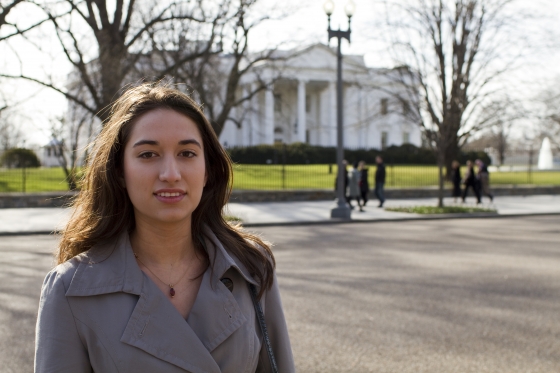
{"x": 36, "y": 180}
{"x": 440, "y": 210}
{"x": 277, "y": 177}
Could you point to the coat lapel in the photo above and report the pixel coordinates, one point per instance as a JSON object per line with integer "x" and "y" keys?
{"x": 215, "y": 315}
{"x": 157, "y": 328}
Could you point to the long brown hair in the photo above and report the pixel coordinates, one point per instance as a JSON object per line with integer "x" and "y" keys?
{"x": 103, "y": 209}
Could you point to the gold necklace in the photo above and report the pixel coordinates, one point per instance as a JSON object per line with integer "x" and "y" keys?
{"x": 171, "y": 286}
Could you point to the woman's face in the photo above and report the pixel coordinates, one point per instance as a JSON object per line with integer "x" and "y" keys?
{"x": 164, "y": 167}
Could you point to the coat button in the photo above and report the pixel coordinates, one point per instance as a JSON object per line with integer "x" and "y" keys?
{"x": 228, "y": 283}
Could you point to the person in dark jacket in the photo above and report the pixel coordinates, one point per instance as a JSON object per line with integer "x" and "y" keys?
{"x": 483, "y": 177}
{"x": 345, "y": 163}
{"x": 470, "y": 182}
{"x": 364, "y": 184}
{"x": 456, "y": 179}
{"x": 380, "y": 180}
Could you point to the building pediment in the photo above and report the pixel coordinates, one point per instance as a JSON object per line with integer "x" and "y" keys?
{"x": 319, "y": 57}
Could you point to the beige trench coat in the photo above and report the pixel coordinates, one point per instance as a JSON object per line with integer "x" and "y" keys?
{"x": 99, "y": 312}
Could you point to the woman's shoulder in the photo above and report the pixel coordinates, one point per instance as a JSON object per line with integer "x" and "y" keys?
{"x": 63, "y": 272}
{"x": 66, "y": 271}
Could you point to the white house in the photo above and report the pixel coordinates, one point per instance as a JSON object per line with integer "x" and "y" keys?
{"x": 300, "y": 104}
{"x": 49, "y": 154}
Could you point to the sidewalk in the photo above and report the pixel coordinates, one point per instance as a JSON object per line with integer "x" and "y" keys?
{"x": 46, "y": 220}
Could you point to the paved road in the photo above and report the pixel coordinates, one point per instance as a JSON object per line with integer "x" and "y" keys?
{"x": 472, "y": 295}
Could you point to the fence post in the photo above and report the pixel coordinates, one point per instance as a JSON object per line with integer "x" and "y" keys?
{"x": 283, "y": 166}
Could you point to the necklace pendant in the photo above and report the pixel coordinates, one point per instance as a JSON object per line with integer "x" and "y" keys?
{"x": 171, "y": 292}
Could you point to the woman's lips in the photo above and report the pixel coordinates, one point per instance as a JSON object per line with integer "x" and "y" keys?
{"x": 169, "y": 197}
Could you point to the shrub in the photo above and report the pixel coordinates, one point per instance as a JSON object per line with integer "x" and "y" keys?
{"x": 299, "y": 153}
{"x": 19, "y": 158}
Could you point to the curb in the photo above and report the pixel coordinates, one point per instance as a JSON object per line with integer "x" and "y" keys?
{"x": 340, "y": 221}
{"x": 403, "y": 219}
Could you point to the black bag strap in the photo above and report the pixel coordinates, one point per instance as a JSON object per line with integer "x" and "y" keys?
{"x": 262, "y": 324}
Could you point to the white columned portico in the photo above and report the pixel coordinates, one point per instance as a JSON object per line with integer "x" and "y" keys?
{"x": 301, "y": 119}
{"x": 269, "y": 116}
{"x": 332, "y": 115}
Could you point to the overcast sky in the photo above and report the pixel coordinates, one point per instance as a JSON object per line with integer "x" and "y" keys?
{"x": 305, "y": 24}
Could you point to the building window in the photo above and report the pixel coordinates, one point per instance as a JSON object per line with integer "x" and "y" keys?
{"x": 384, "y": 106}
{"x": 48, "y": 152}
{"x": 384, "y": 139}
{"x": 307, "y": 103}
{"x": 277, "y": 103}
{"x": 406, "y": 137}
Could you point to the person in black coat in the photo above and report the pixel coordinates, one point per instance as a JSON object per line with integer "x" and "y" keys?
{"x": 380, "y": 181}
{"x": 345, "y": 163}
{"x": 470, "y": 181}
{"x": 364, "y": 184}
{"x": 456, "y": 179}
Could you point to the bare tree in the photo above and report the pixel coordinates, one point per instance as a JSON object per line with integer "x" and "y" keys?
{"x": 214, "y": 76}
{"x": 111, "y": 47}
{"x": 8, "y": 28}
{"x": 454, "y": 55}
{"x": 11, "y": 135}
{"x": 68, "y": 138}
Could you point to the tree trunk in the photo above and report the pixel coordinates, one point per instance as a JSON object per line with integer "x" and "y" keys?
{"x": 440, "y": 190}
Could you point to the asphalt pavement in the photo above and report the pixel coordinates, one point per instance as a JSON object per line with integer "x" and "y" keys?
{"x": 46, "y": 220}
{"x": 419, "y": 296}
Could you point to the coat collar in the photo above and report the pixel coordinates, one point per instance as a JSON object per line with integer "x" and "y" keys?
{"x": 111, "y": 267}
{"x": 155, "y": 326}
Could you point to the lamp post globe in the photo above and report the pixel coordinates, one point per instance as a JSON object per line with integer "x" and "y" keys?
{"x": 350, "y": 8}
{"x": 328, "y": 6}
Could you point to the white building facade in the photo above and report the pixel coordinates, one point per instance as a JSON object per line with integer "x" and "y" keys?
{"x": 300, "y": 104}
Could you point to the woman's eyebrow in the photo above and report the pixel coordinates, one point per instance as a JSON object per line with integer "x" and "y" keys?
{"x": 145, "y": 142}
{"x": 190, "y": 141}
{"x": 153, "y": 142}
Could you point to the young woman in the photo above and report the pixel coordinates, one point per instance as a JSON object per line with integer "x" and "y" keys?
{"x": 151, "y": 278}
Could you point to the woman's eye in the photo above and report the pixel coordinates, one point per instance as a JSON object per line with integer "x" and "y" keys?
{"x": 187, "y": 153}
{"x": 146, "y": 155}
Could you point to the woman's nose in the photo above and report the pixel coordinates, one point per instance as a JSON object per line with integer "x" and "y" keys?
{"x": 170, "y": 170}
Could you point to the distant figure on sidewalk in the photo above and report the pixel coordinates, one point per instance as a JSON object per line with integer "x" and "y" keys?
{"x": 456, "y": 179}
{"x": 353, "y": 186}
{"x": 364, "y": 184}
{"x": 345, "y": 164}
{"x": 380, "y": 180}
{"x": 483, "y": 177}
{"x": 470, "y": 181}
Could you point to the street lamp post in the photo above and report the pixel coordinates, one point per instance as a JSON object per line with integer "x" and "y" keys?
{"x": 341, "y": 210}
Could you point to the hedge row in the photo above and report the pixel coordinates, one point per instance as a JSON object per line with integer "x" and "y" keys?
{"x": 299, "y": 153}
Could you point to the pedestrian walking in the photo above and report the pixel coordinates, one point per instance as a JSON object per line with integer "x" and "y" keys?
{"x": 470, "y": 181}
{"x": 456, "y": 180}
{"x": 346, "y": 181}
{"x": 484, "y": 179}
{"x": 354, "y": 185}
{"x": 150, "y": 276}
{"x": 380, "y": 181}
{"x": 364, "y": 183}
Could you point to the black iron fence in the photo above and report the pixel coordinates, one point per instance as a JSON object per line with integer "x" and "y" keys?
{"x": 292, "y": 176}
